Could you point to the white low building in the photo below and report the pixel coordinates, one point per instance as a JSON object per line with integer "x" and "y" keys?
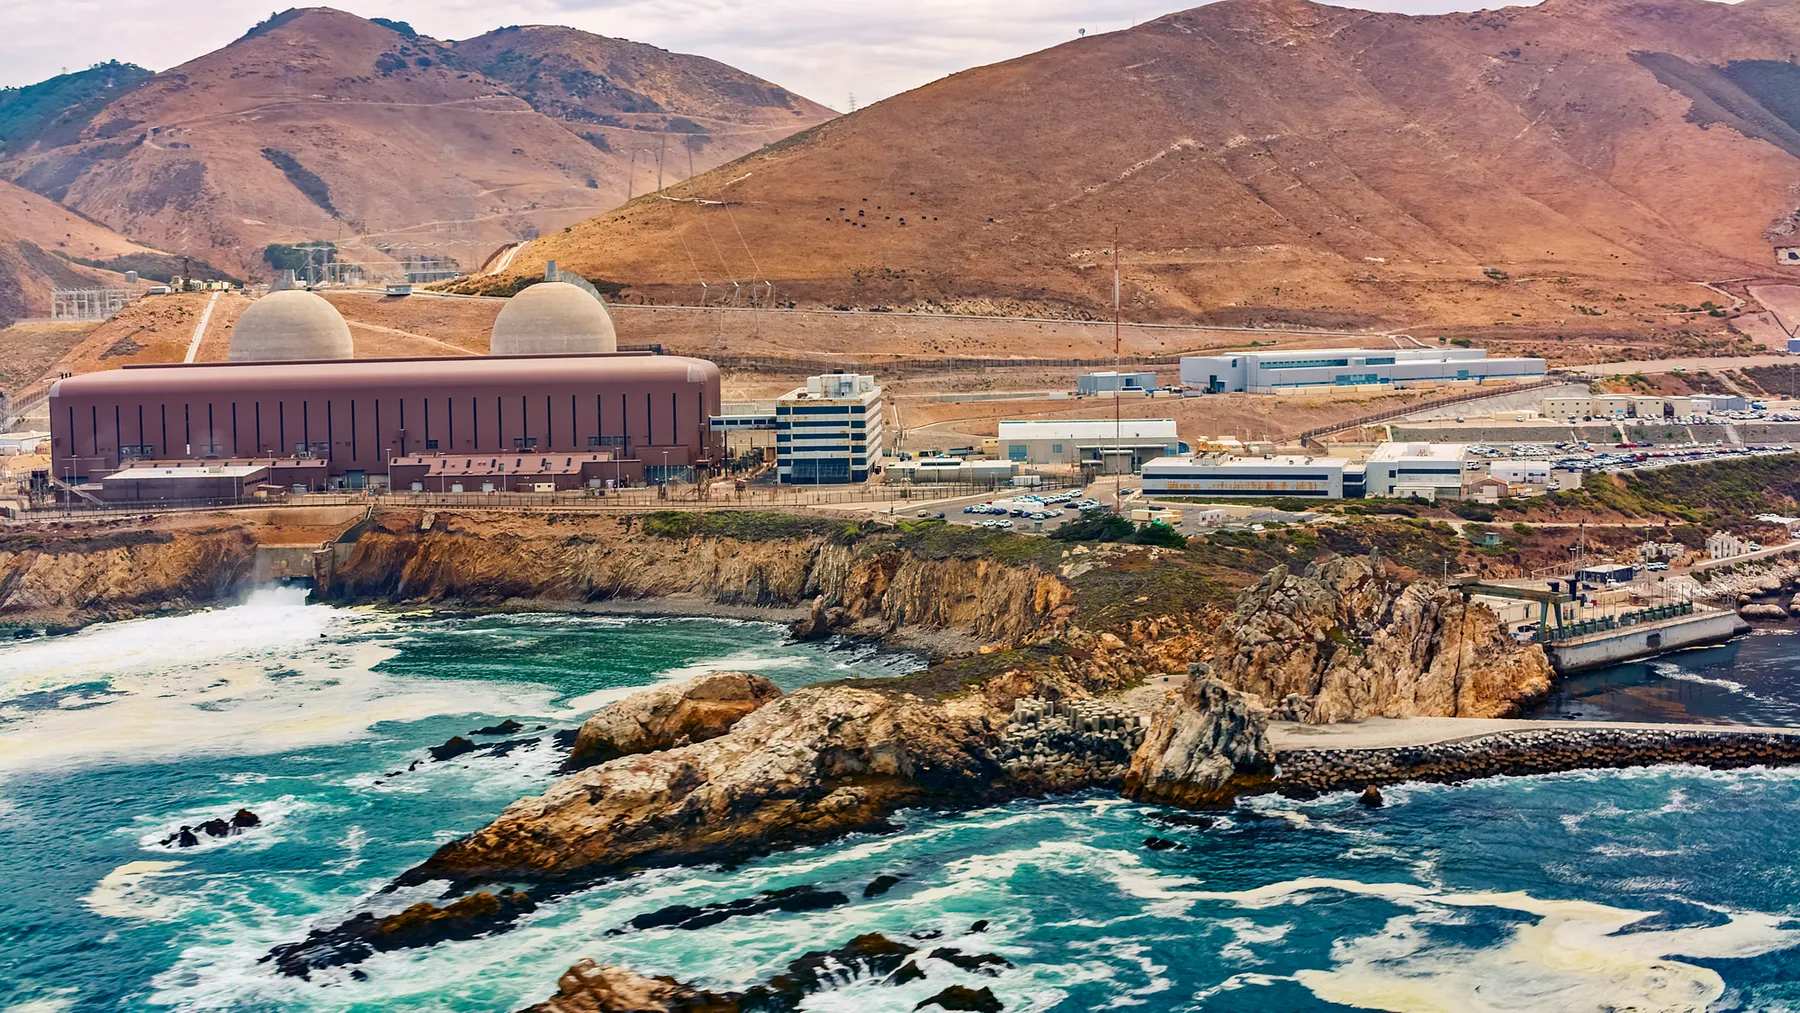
{"x": 1426, "y": 470}
{"x": 1242, "y": 477}
{"x": 1521, "y": 472}
{"x": 1314, "y": 368}
{"x": 1108, "y": 446}
{"x": 973, "y": 471}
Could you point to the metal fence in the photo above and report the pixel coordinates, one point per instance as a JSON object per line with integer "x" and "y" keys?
{"x": 1391, "y": 414}
{"x": 1603, "y": 624}
{"x": 594, "y": 501}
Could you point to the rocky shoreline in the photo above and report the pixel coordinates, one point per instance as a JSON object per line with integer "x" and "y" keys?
{"x": 1537, "y": 751}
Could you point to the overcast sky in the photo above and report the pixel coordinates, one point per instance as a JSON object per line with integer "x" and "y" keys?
{"x": 823, "y": 49}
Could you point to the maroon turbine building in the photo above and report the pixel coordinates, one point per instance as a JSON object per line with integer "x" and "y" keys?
{"x": 481, "y": 423}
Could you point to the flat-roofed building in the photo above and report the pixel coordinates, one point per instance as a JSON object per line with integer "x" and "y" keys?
{"x": 1234, "y": 477}
{"x": 829, "y": 432}
{"x": 1105, "y": 446}
{"x": 1314, "y": 368}
{"x": 1425, "y": 470}
{"x": 1115, "y": 381}
{"x": 1624, "y": 406}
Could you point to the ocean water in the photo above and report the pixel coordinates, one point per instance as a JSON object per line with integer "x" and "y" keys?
{"x": 1661, "y": 889}
{"x": 1754, "y": 679}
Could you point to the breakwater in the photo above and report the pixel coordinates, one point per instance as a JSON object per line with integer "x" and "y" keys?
{"x": 1535, "y": 751}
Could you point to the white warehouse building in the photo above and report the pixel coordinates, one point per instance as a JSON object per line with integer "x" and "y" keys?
{"x": 1313, "y": 368}
{"x": 1106, "y": 445}
{"x": 829, "y": 432}
{"x": 1245, "y": 477}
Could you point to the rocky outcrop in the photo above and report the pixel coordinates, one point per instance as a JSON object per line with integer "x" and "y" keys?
{"x": 592, "y": 988}
{"x": 1348, "y": 639}
{"x": 589, "y": 987}
{"x": 818, "y": 763}
{"x": 64, "y": 577}
{"x": 671, "y": 715}
{"x": 1762, "y": 610}
{"x": 422, "y": 924}
{"x": 1201, "y": 741}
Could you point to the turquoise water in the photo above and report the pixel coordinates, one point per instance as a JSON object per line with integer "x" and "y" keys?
{"x": 1665, "y": 889}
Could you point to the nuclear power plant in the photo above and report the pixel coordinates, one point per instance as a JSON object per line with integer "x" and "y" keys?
{"x": 554, "y": 406}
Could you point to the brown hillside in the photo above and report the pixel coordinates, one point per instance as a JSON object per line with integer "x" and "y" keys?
{"x": 621, "y": 95}
{"x": 321, "y": 125}
{"x": 1275, "y": 160}
{"x": 59, "y": 230}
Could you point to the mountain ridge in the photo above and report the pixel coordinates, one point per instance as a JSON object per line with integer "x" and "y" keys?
{"x": 1274, "y": 157}
{"x": 317, "y": 124}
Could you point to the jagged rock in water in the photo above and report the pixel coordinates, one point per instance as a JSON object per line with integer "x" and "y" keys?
{"x": 1348, "y": 639}
{"x": 817, "y": 763}
{"x": 1762, "y": 610}
{"x": 979, "y": 963}
{"x": 423, "y": 924}
{"x": 593, "y": 988}
{"x": 661, "y": 717}
{"x": 880, "y": 885}
{"x": 685, "y": 916}
{"x": 506, "y": 727}
{"x": 244, "y": 819}
{"x": 961, "y": 997}
{"x": 1200, "y": 738}
{"x": 453, "y": 747}
{"x": 909, "y": 971}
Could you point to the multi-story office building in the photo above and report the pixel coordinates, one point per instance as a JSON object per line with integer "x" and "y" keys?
{"x": 829, "y": 432}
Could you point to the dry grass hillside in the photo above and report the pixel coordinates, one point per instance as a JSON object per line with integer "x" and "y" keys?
{"x": 320, "y": 125}
{"x": 621, "y": 96}
{"x": 1277, "y": 161}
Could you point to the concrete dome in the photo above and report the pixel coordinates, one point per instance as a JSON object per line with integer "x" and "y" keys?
{"x": 290, "y": 325}
{"x": 550, "y": 318}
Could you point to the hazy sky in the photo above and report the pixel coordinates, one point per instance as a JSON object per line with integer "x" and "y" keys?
{"x": 823, "y": 49}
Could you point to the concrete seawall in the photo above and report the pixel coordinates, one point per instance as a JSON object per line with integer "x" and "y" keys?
{"x": 1646, "y": 641}
{"x": 1542, "y": 749}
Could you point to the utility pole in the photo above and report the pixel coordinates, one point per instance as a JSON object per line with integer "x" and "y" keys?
{"x": 660, "y": 152}
{"x": 631, "y": 176}
{"x": 1118, "y": 408}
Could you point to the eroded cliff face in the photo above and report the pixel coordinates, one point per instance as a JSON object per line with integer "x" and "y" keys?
{"x": 58, "y": 580}
{"x": 1201, "y": 742}
{"x": 1348, "y": 639}
{"x": 492, "y": 560}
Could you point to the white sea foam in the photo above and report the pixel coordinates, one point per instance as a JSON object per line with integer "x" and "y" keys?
{"x": 129, "y": 891}
{"x": 43, "y": 1004}
{"x": 1573, "y": 957}
{"x": 262, "y": 677}
{"x": 270, "y": 813}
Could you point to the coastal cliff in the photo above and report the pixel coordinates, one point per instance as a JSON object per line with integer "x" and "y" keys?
{"x": 1348, "y": 639}
{"x": 870, "y": 587}
{"x": 61, "y": 578}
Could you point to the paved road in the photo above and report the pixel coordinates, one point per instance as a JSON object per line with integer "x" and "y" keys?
{"x": 1713, "y": 365}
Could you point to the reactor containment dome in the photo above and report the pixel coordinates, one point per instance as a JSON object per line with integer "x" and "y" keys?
{"x": 553, "y": 318}
{"x": 290, "y": 326}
